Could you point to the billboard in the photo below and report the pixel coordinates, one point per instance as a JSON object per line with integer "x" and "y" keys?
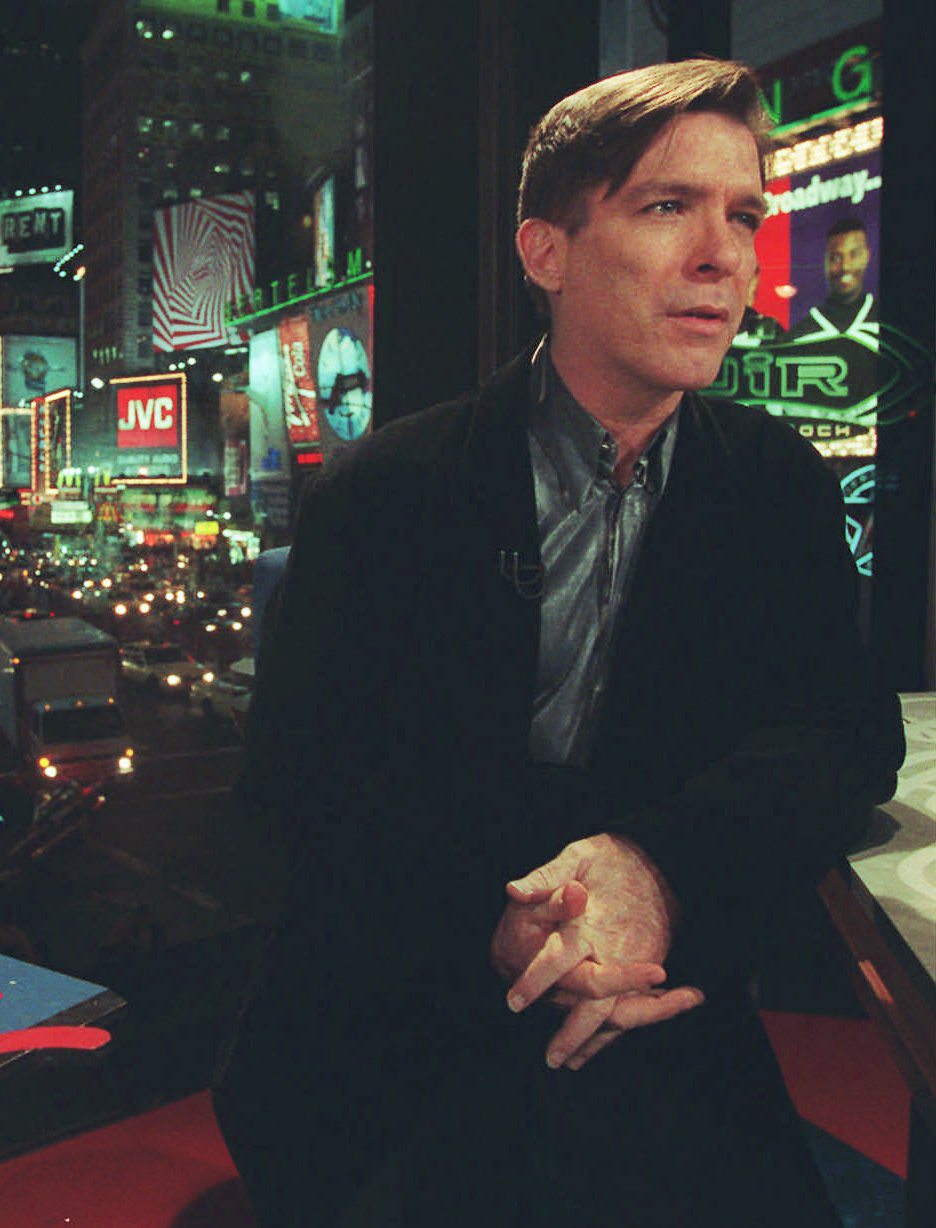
{"x": 16, "y": 448}
{"x": 51, "y": 439}
{"x": 35, "y": 229}
{"x": 811, "y": 348}
{"x": 269, "y": 442}
{"x": 324, "y": 229}
{"x": 341, "y": 363}
{"x": 299, "y": 393}
{"x": 32, "y": 366}
{"x": 204, "y": 255}
{"x": 151, "y": 434}
{"x": 322, "y": 15}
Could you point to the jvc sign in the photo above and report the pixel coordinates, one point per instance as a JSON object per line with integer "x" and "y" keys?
{"x": 147, "y": 415}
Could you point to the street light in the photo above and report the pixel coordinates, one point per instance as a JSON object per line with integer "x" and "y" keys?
{"x": 79, "y": 276}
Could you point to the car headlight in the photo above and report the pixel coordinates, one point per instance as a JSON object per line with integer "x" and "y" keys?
{"x": 50, "y": 771}
{"x": 208, "y": 676}
{"x": 173, "y": 680}
{"x": 125, "y": 764}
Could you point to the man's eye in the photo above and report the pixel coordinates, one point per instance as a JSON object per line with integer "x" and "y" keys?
{"x": 751, "y": 220}
{"x": 665, "y": 207}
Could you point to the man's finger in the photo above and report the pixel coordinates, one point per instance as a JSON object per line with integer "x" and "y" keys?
{"x": 540, "y": 883}
{"x": 558, "y": 955}
{"x": 580, "y": 1026}
{"x": 643, "y": 1009}
{"x": 597, "y": 980}
{"x": 565, "y": 904}
{"x": 601, "y": 1040}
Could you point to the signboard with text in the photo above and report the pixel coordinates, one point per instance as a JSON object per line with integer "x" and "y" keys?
{"x": 150, "y": 429}
{"x": 35, "y": 229}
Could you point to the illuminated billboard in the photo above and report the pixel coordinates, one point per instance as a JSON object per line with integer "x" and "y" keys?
{"x": 299, "y": 390}
{"x": 35, "y": 229}
{"x": 16, "y": 448}
{"x": 322, "y": 16}
{"x": 204, "y": 255}
{"x": 50, "y": 449}
{"x": 268, "y": 437}
{"x": 32, "y": 366}
{"x": 324, "y": 223}
{"x": 341, "y": 363}
{"x": 151, "y": 429}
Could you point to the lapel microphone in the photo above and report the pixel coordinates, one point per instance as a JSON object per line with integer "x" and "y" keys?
{"x": 525, "y": 578}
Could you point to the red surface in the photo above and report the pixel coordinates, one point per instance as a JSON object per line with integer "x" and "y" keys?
{"x": 170, "y": 1168}
{"x": 26, "y": 1039}
{"x": 165, "y": 1169}
{"x": 843, "y": 1079}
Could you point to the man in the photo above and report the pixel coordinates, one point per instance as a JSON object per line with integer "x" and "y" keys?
{"x": 540, "y": 636}
{"x": 848, "y": 306}
{"x": 844, "y": 326}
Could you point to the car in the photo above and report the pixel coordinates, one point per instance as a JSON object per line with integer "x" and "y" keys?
{"x": 221, "y": 694}
{"x": 159, "y": 667}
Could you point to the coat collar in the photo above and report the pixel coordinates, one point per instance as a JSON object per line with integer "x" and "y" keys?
{"x": 497, "y": 474}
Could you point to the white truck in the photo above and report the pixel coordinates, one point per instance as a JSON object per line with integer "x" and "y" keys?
{"x": 58, "y": 701}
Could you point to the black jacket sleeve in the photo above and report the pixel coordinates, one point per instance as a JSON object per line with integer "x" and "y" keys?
{"x": 824, "y": 745}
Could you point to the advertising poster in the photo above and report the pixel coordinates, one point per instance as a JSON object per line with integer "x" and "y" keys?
{"x": 299, "y": 395}
{"x": 35, "y": 229}
{"x": 51, "y": 426}
{"x": 322, "y": 15}
{"x": 340, "y": 346}
{"x": 33, "y": 366}
{"x": 16, "y": 444}
{"x": 235, "y": 467}
{"x": 150, "y": 435}
{"x": 324, "y": 217}
{"x": 204, "y": 255}
{"x": 809, "y": 348}
{"x": 269, "y": 443}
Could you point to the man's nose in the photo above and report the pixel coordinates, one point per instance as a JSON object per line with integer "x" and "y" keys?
{"x": 719, "y": 249}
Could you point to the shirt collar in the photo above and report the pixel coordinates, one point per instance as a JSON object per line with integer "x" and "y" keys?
{"x": 582, "y": 451}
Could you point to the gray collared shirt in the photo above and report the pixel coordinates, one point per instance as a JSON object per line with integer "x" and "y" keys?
{"x": 590, "y": 531}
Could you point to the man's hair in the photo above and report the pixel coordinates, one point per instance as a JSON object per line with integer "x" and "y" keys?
{"x": 847, "y": 226}
{"x": 598, "y": 134}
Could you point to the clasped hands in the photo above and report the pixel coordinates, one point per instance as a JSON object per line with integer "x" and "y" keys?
{"x": 593, "y": 927}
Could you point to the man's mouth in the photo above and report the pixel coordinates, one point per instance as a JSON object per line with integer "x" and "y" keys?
{"x": 716, "y": 314}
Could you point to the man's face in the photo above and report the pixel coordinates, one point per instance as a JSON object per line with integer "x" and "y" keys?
{"x": 846, "y": 261}
{"x": 648, "y": 294}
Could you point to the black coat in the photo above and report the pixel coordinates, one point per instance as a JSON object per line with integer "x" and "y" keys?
{"x": 741, "y": 743}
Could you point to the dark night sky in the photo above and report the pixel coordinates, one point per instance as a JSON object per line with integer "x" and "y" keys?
{"x": 39, "y": 89}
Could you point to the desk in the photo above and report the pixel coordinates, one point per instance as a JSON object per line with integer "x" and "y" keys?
{"x": 883, "y": 904}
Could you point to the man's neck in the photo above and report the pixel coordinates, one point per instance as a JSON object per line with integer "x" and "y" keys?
{"x": 630, "y": 417}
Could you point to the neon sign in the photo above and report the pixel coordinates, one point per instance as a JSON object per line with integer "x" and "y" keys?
{"x": 296, "y": 288}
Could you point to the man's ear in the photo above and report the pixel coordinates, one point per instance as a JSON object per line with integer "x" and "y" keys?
{"x": 541, "y": 248}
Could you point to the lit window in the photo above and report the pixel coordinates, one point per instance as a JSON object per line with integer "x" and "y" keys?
{"x": 144, "y": 123}
{"x": 197, "y": 130}
{"x": 222, "y": 168}
{"x": 223, "y": 132}
{"x": 272, "y": 199}
{"x": 246, "y": 76}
